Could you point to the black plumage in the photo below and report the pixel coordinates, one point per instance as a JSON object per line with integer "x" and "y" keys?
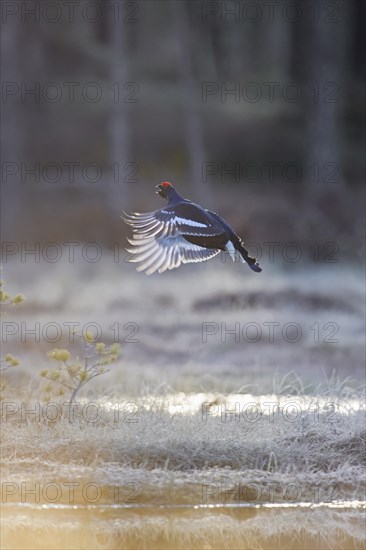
{"x": 182, "y": 232}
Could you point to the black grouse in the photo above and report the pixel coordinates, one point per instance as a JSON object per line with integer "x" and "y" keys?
{"x": 182, "y": 232}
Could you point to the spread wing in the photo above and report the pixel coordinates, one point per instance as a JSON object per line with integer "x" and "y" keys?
{"x": 166, "y": 238}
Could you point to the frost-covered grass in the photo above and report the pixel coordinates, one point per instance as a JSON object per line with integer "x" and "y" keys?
{"x": 271, "y": 438}
{"x": 161, "y": 319}
{"x": 159, "y": 457}
{"x": 186, "y": 443}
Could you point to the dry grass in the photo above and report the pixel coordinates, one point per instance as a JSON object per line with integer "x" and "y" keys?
{"x": 175, "y": 458}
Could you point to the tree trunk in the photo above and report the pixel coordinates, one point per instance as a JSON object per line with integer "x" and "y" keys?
{"x": 119, "y": 134}
{"x": 324, "y": 95}
{"x": 193, "y": 128}
{"x": 12, "y": 128}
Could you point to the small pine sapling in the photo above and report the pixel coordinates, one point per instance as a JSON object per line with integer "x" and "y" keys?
{"x": 71, "y": 374}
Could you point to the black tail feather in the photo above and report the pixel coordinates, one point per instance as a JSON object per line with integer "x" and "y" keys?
{"x": 252, "y": 262}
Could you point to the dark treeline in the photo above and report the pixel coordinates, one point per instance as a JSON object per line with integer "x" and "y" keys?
{"x": 103, "y": 99}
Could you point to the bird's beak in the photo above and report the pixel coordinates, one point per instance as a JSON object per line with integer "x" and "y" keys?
{"x": 158, "y": 188}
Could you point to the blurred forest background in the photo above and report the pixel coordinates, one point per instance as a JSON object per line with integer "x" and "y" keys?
{"x": 254, "y": 109}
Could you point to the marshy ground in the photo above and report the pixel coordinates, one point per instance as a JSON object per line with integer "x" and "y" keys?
{"x": 234, "y": 418}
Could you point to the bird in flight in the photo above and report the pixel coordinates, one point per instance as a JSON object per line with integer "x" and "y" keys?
{"x": 181, "y": 232}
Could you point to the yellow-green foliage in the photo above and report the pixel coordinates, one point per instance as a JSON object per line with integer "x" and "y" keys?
{"x": 6, "y": 299}
{"x": 71, "y": 374}
{"x": 9, "y": 360}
